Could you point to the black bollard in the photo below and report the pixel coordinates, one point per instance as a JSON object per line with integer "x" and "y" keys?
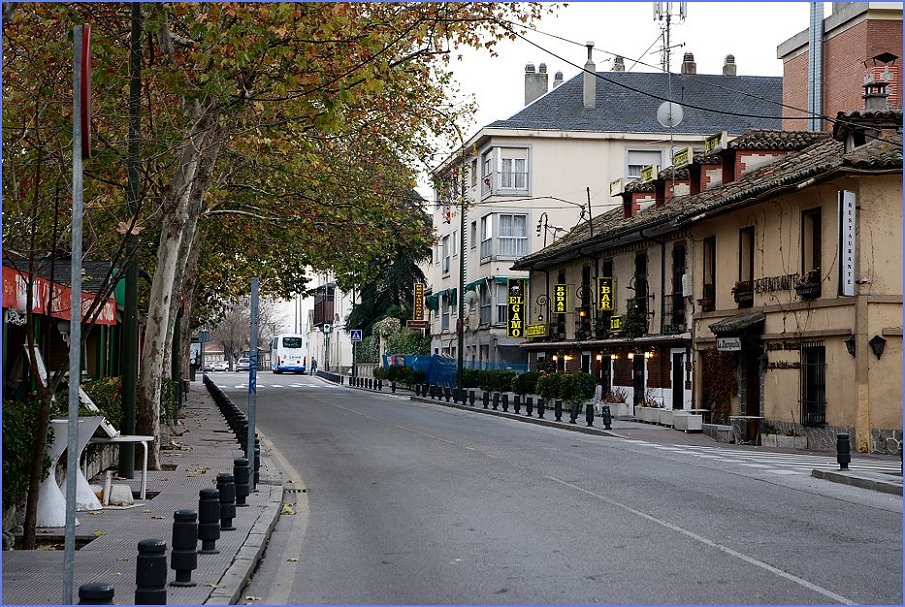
{"x": 185, "y": 547}
{"x": 496, "y": 401}
{"x": 517, "y": 404}
{"x": 573, "y": 412}
{"x": 209, "y": 520}
{"x": 447, "y": 392}
{"x": 529, "y": 405}
{"x": 607, "y": 417}
{"x": 257, "y": 474}
{"x": 380, "y": 385}
{"x": 226, "y": 486}
{"x": 843, "y": 450}
{"x": 393, "y": 387}
{"x": 95, "y": 594}
{"x": 485, "y": 399}
{"x": 589, "y": 414}
{"x": 471, "y": 398}
{"x": 557, "y": 409}
{"x": 540, "y": 408}
{"x": 151, "y": 573}
{"x": 242, "y": 474}
{"x": 506, "y": 401}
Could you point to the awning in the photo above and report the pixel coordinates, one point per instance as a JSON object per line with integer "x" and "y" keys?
{"x": 740, "y": 324}
{"x": 501, "y": 280}
{"x": 432, "y": 301}
{"x": 474, "y": 284}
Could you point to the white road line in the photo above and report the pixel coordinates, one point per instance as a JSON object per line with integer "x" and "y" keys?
{"x": 694, "y": 536}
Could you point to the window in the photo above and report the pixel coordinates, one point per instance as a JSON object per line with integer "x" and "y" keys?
{"x": 640, "y": 282}
{"x": 514, "y": 174}
{"x": 504, "y": 171}
{"x": 638, "y": 159}
{"x": 486, "y": 236}
{"x": 474, "y": 234}
{"x": 474, "y": 172}
{"x": 676, "y": 315}
{"x": 486, "y": 305}
{"x": 292, "y": 342}
{"x": 446, "y": 254}
{"x": 502, "y": 300}
{"x": 513, "y": 235}
{"x": 743, "y": 291}
{"x": 708, "y": 301}
{"x": 810, "y": 241}
{"x": 455, "y": 243}
{"x": 445, "y": 307}
{"x": 813, "y": 384}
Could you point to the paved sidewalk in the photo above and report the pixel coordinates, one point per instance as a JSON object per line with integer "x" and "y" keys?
{"x": 206, "y": 448}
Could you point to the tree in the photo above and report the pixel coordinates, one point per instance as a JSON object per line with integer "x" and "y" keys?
{"x": 234, "y": 329}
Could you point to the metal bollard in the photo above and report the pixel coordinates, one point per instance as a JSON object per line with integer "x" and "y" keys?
{"x": 517, "y": 404}
{"x": 540, "y": 408}
{"x": 393, "y": 387}
{"x": 185, "y": 547}
{"x": 447, "y": 392}
{"x": 485, "y": 399}
{"x": 242, "y": 474}
{"x": 380, "y": 385}
{"x": 226, "y": 486}
{"x": 573, "y": 411}
{"x": 471, "y": 396}
{"x": 209, "y": 520}
{"x": 506, "y": 401}
{"x": 589, "y": 414}
{"x": 843, "y": 450}
{"x": 496, "y": 401}
{"x": 557, "y": 409}
{"x": 606, "y": 416}
{"x": 529, "y": 405}
{"x": 95, "y": 594}
{"x": 257, "y": 473}
{"x": 151, "y": 573}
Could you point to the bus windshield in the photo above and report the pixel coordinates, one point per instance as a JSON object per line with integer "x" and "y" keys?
{"x": 292, "y": 342}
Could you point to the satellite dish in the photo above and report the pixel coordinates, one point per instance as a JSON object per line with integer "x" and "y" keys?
{"x": 670, "y": 114}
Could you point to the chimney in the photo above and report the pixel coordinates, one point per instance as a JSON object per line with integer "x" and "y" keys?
{"x": 619, "y": 64}
{"x": 729, "y": 68}
{"x": 535, "y": 82}
{"x": 689, "y": 67}
{"x": 875, "y": 93}
{"x": 557, "y": 79}
{"x": 590, "y": 80}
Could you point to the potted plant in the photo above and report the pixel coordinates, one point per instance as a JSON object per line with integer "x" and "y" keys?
{"x": 616, "y": 400}
{"x": 743, "y": 293}
{"x": 808, "y": 285}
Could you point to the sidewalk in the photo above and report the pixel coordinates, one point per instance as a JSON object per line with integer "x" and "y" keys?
{"x": 866, "y": 479}
{"x": 206, "y": 448}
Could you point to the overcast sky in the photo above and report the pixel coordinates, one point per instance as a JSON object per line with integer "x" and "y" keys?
{"x": 750, "y": 31}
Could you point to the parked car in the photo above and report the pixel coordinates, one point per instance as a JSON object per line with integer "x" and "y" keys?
{"x": 243, "y": 364}
{"x": 220, "y": 365}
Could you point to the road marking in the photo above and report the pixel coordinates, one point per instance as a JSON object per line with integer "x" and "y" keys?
{"x": 699, "y": 538}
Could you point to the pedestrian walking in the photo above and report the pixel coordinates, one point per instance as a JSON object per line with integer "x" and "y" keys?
{"x": 313, "y": 366}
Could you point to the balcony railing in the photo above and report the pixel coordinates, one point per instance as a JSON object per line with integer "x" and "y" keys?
{"x": 708, "y": 298}
{"x": 675, "y": 314}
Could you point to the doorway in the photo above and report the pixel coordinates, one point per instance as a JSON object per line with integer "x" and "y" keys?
{"x": 678, "y": 380}
{"x": 638, "y": 380}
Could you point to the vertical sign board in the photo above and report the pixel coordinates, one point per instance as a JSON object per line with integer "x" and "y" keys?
{"x": 846, "y": 245}
{"x": 515, "y": 315}
{"x": 418, "y": 307}
{"x": 606, "y": 294}
{"x": 560, "y": 299}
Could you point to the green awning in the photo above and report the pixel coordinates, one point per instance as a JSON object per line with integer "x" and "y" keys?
{"x": 432, "y": 302}
{"x": 474, "y": 284}
{"x": 451, "y": 296}
{"x": 501, "y": 280}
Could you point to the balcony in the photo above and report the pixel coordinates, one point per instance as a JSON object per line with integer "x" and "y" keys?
{"x": 674, "y": 314}
{"x": 504, "y": 182}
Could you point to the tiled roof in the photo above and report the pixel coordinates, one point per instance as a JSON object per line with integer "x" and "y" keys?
{"x": 763, "y": 139}
{"x": 93, "y": 272}
{"x": 738, "y": 324}
{"x": 640, "y": 186}
{"x": 620, "y": 109}
{"x": 823, "y": 157}
{"x": 889, "y": 118}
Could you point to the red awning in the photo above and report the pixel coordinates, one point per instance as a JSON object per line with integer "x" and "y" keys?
{"x": 50, "y": 299}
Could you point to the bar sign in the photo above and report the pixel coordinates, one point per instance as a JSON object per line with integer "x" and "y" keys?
{"x": 606, "y": 292}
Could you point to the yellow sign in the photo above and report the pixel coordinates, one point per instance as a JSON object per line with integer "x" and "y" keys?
{"x": 616, "y": 187}
{"x": 606, "y": 294}
{"x": 536, "y": 330}
{"x": 515, "y": 317}
{"x": 682, "y": 157}
{"x": 649, "y": 173}
{"x": 560, "y": 299}
{"x": 615, "y": 323}
{"x": 715, "y": 143}
{"x": 418, "y": 308}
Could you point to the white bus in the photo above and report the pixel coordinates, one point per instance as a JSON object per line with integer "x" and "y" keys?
{"x": 289, "y": 352}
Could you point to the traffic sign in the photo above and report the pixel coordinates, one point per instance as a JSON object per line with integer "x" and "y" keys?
{"x": 355, "y": 334}
{"x": 326, "y": 327}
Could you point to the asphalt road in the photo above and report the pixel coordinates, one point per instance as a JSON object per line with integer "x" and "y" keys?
{"x": 401, "y": 502}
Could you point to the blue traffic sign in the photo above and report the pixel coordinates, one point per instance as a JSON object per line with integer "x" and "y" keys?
{"x": 355, "y": 334}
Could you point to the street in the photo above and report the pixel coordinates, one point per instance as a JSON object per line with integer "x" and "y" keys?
{"x": 402, "y": 502}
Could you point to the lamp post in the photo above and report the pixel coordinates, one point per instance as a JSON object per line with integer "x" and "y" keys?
{"x": 543, "y": 225}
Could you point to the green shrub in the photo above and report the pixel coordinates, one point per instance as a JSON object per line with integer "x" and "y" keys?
{"x": 471, "y": 378}
{"x": 524, "y": 383}
{"x": 19, "y": 422}
{"x": 106, "y": 393}
{"x": 379, "y": 373}
{"x": 576, "y": 387}
{"x": 548, "y": 385}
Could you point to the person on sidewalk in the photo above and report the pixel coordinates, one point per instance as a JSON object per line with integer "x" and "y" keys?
{"x": 313, "y": 366}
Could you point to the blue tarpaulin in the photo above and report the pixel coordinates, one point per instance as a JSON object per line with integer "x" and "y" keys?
{"x": 438, "y": 370}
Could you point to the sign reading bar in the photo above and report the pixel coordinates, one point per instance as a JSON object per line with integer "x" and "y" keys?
{"x": 682, "y": 157}
{"x": 847, "y": 204}
{"x": 536, "y": 330}
{"x": 560, "y": 299}
{"x": 606, "y": 294}
{"x": 728, "y": 344}
{"x": 515, "y": 315}
{"x": 649, "y": 173}
{"x": 715, "y": 143}
{"x": 616, "y": 187}
{"x": 418, "y": 308}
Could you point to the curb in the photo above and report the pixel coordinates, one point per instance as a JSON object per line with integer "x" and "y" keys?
{"x": 857, "y": 481}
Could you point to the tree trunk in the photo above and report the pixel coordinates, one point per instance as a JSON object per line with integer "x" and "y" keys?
{"x": 198, "y": 153}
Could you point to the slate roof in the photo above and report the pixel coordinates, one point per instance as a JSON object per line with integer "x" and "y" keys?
{"x": 821, "y": 158}
{"x": 93, "y": 272}
{"x": 622, "y": 109}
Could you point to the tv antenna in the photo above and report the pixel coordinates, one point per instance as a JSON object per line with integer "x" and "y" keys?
{"x": 664, "y": 13}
